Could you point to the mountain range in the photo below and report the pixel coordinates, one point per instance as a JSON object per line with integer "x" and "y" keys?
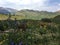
{"x": 28, "y": 14}
{"x": 7, "y": 10}
{"x": 33, "y": 14}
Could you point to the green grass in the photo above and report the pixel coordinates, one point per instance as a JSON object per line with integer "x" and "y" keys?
{"x": 19, "y": 17}
{"x": 36, "y": 15}
{"x": 4, "y": 17}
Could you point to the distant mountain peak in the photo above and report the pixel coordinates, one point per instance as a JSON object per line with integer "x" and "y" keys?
{"x": 4, "y": 10}
{"x": 58, "y": 11}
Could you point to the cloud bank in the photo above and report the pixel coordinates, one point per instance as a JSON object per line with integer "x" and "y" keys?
{"x": 45, "y": 5}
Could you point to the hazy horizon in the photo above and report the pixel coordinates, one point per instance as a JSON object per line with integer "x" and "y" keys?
{"x": 41, "y": 5}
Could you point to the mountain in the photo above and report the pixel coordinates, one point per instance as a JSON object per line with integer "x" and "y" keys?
{"x": 3, "y": 11}
{"x": 34, "y": 14}
{"x": 58, "y": 12}
{"x": 7, "y": 10}
{"x": 11, "y": 10}
{"x": 28, "y": 14}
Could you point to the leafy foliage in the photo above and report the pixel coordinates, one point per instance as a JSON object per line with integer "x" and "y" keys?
{"x": 32, "y": 34}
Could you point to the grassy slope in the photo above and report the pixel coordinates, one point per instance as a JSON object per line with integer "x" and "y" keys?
{"x": 4, "y": 17}
{"x": 35, "y": 15}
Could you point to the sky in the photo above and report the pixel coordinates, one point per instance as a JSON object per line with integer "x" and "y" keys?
{"x": 41, "y": 5}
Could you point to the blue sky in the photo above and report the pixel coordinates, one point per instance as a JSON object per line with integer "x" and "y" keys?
{"x": 44, "y": 5}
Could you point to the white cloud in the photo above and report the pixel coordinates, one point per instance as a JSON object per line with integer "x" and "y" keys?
{"x": 25, "y": 2}
{"x": 18, "y": 4}
{"x": 28, "y": 4}
{"x": 1, "y": 2}
{"x": 59, "y": 4}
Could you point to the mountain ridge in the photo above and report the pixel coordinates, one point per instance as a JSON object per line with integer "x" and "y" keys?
{"x": 7, "y": 10}
{"x": 31, "y": 14}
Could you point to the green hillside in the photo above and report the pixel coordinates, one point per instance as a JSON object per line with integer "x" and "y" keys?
{"x": 36, "y": 15}
{"x": 40, "y": 31}
{"x": 4, "y": 17}
{"x": 30, "y": 14}
{"x": 57, "y": 19}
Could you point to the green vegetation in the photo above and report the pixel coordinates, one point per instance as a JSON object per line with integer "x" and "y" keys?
{"x": 30, "y": 14}
{"x": 36, "y": 32}
{"x": 57, "y": 19}
{"x": 36, "y": 15}
{"x": 34, "y": 28}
